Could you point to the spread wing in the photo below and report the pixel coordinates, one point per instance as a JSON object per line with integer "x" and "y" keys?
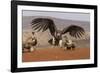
{"x": 74, "y": 31}
{"x": 42, "y": 24}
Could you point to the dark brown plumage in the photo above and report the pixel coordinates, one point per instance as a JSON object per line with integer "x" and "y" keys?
{"x": 46, "y": 23}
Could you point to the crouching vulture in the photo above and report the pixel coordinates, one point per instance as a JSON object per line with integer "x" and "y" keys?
{"x": 30, "y": 43}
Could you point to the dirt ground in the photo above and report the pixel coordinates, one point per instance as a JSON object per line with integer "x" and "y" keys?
{"x": 54, "y": 54}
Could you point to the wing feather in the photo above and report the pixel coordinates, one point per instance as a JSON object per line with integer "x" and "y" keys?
{"x": 78, "y": 34}
{"x": 74, "y": 31}
{"x": 45, "y": 28}
{"x": 36, "y": 27}
{"x": 44, "y": 24}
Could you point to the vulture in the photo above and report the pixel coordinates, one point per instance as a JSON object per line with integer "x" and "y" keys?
{"x": 68, "y": 44}
{"x": 43, "y": 24}
{"x": 30, "y": 43}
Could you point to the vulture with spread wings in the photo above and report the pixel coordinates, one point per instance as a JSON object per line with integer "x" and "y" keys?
{"x": 43, "y": 24}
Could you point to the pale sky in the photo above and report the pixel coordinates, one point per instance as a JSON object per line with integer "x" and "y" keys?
{"x": 60, "y": 15}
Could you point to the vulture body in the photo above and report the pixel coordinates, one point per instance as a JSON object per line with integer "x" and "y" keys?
{"x": 68, "y": 44}
{"x": 30, "y": 44}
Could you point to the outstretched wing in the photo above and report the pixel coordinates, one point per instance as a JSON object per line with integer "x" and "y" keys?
{"x": 42, "y": 24}
{"x": 74, "y": 31}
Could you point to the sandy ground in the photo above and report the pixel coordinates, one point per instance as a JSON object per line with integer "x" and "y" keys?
{"x": 53, "y": 54}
